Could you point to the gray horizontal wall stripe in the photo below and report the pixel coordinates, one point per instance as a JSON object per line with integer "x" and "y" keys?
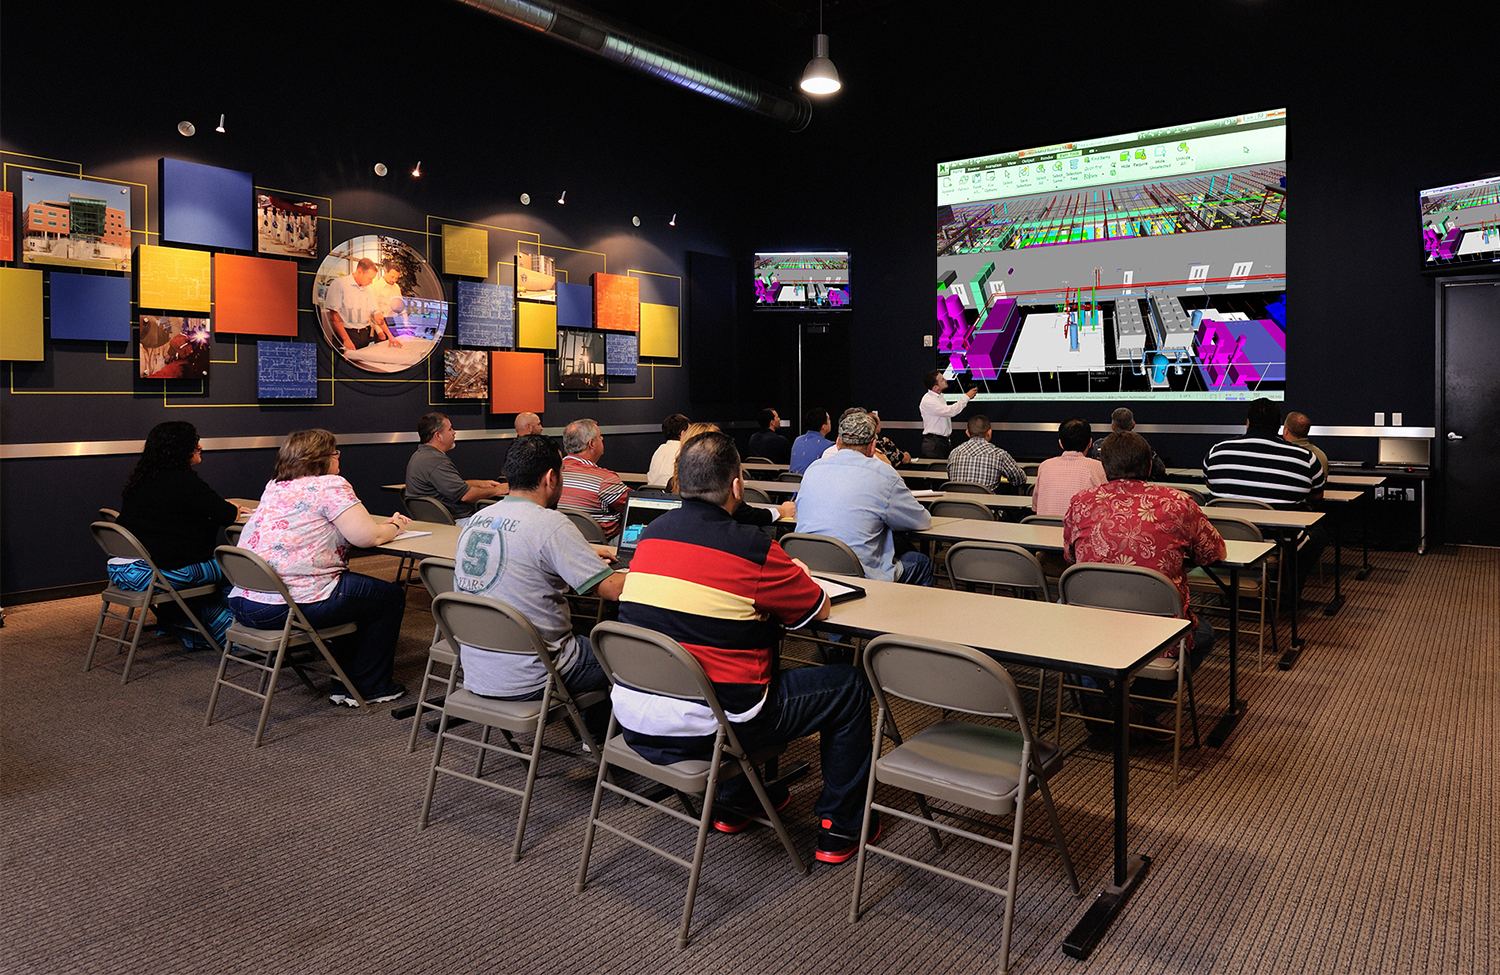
{"x": 1209, "y": 429}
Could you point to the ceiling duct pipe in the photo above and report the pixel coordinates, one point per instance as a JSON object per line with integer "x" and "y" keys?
{"x": 627, "y": 46}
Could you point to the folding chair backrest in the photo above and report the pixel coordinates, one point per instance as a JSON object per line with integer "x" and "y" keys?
{"x": 232, "y": 533}
{"x": 996, "y": 563}
{"x": 245, "y": 569}
{"x": 822, "y": 553}
{"x": 962, "y": 509}
{"x": 429, "y": 509}
{"x": 437, "y": 575}
{"x": 965, "y": 487}
{"x": 1236, "y": 528}
{"x": 790, "y": 477}
{"x": 1128, "y": 588}
{"x": 109, "y": 514}
{"x": 942, "y": 675}
{"x": 759, "y": 460}
{"x": 588, "y": 526}
{"x": 653, "y": 663}
{"x": 1053, "y": 520}
{"x": 757, "y": 496}
{"x": 1237, "y": 503}
{"x": 118, "y": 543}
{"x": 487, "y": 624}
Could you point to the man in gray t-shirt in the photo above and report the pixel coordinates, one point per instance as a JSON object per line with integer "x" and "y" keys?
{"x": 523, "y": 552}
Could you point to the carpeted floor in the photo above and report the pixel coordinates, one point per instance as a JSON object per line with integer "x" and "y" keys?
{"x": 1348, "y": 826}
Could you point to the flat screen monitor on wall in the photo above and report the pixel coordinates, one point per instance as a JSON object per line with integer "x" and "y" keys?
{"x": 802, "y": 281}
{"x": 1151, "y": 263}
{"x": 1461, "y": 226}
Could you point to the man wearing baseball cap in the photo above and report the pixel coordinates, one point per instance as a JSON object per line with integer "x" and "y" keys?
{"x": 861, "y": 501}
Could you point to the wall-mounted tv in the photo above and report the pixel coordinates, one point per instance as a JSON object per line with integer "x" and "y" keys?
{"x": 1151, "y": 263}
{"x": 802, "y": 281}
{"x": 1461, "y": 226}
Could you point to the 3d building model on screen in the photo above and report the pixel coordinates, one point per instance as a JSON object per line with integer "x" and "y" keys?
{"x": 1152, "y": 262}
{"x": 1461, "y": 224}
{"x": 802, "y": 281}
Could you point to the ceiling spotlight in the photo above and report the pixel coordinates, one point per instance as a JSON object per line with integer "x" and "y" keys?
{"x": 525, "y": 199}
{"x": 186, "y": 128}
{"x": 564, "y": 198}
{"x": 221, "y": 124}
{"x": 636, "y": 221}
{"x": 417, "y": 169}
{"x": 821, "y": 77}
{"x": 380, "y": 169}
{"x": 673, "y": 221}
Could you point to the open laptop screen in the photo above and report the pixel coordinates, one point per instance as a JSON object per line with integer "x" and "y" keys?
{"x": 640, "y": 512}
{"x": 1404, "y": 452}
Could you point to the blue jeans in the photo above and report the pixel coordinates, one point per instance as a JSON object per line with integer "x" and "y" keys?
{"x": 834, "y": 701}
{"x": 585, "y": 676}
{"x": 914, "y": 569}
{"x": 368, "y": 654}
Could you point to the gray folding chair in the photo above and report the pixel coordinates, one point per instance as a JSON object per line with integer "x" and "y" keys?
{"x": 996, "y": 566}
{"x": 590, "y": 529}
{"x": 489, "y": 624}
{"x": 647, "y": 661}
{"x": 1136, "y": 589}
{"x": 965, "y": 487}
{"x": 789, "y": 477}
{"x": 265, "y": 652}
{"x": 961, "y": 509}
{"x": 109, "y": 514}
{"x": 1273, "y": 562}
{"x": 1199, "y": 581}
{"x": 759, "y": 460}
{"x": 823, "y": 553}
{"x": 232, "y": 533}
{"x": 428, "y": 509}
{"x": 118, "y": 543}
{"x": 437, "y": 576}
{"x": 976, "y": 766}
{"x": 756, "y": 496}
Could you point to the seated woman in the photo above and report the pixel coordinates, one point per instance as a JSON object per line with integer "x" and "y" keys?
{"x": 307, "y": 518}
{"x": 745, "y": 514}
{"x": 176, "y": 517}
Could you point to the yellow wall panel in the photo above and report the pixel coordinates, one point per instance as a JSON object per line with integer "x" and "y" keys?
{"x": 174, "y": 278}
{"x": 536, "y": 325}
{"x": 660, "y": 331}
{"x": 20, "y": 314}
{"x": 466, "y": 251}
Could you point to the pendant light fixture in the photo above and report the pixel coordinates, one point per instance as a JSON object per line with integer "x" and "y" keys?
{"x": 821, "y": 77}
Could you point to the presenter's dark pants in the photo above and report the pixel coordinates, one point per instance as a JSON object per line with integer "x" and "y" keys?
{"x": 934, "y": 446}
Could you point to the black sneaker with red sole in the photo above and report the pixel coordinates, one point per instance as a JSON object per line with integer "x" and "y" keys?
{"x": 836, "y": 847}
{"x": 729, "y": 819}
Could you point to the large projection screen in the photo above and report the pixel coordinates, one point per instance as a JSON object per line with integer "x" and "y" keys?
{"x": 1150, "y": 264}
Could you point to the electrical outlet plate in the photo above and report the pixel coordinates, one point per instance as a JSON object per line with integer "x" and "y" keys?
{"x": 927, "y": 341}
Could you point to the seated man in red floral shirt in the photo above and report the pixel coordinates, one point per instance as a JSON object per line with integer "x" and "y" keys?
{"x": 1130, "y": 522}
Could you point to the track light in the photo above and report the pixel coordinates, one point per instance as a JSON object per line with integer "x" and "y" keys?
{"x": 564, "y": 198}
{"x": 220, "y": 129}
{"x": 417, "y": 169}
{"x": 380, "y": 169}
{"x": 673, "y": 221}
{"x": 821, "y": 77}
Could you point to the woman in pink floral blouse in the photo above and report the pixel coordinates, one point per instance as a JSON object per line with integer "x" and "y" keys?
{"x": 307, "y": 518}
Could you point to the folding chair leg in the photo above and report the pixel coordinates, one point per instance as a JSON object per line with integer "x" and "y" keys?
{"x": 588, "y": 833}
{"x": 1057, "y": 835}
{"x": 432, "y": 773}
{"x": 531, "y": 770}
{"x": 265, "y": 709}
{"x": 696, "y": 870}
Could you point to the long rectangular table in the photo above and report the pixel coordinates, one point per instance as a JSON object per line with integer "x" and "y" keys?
{"x": 1103, "y": 644}
{"x": 1238, "y": 555}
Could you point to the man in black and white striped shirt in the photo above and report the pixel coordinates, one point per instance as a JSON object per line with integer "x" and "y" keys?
{"x": 1260, "y": 466}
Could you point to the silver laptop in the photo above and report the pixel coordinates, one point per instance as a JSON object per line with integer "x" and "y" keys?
{"x": 640, "y": 512}
{"x": 1404, "y": 452}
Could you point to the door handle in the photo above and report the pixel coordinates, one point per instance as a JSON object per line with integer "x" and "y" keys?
{"x": 1454, "y": 436}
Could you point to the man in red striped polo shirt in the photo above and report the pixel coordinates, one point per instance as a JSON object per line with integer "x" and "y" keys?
{"x": 588, "y": 488}
{"x": 725, "y": 591}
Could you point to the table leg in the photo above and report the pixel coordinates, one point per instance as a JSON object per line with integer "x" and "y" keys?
{"x": 1222, "y": 730}
{"x": 1289, "y": 552}
{"x": 1365, "y": 500}
{"x": 1128, "y": 870}
{"x": 1337, "y": 603}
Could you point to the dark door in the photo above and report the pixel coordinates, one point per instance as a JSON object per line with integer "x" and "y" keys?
{"x": 1470, "y": 415}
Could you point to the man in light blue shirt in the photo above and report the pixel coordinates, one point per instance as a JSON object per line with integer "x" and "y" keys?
{"x": 861, "y": 500}
{"x": 810, "y": 446}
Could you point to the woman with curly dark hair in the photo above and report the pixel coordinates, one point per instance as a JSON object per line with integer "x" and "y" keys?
{"x": 177, "y": 517}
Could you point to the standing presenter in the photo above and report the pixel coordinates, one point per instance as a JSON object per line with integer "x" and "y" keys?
{"x": 937, "y": 415}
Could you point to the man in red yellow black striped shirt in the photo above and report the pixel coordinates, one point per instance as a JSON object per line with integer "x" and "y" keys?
{"x": 725, "y": 591}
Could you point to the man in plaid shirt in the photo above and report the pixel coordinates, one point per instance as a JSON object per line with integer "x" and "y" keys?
{"x": 978, "y": 461}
